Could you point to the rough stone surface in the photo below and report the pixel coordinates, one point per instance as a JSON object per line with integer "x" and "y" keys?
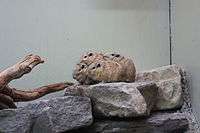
{"x": 168, "y": 80}
{"x": 49, "y": 116}
{"x": 63, "y": 114}
{"x": 187, "y": 104}
{"x": 122, "y": 100}
{"x": 149, "y": 92}
{"x": 156, "y": 123}
{"x": 15, "y": 121}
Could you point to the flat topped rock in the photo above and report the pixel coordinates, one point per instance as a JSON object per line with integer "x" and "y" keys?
{"x": 156, "y": 123}
{"x": 160, "y": 73}
{"x": 122, "y": 100}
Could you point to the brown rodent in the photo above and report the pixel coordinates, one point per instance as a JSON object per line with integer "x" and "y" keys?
{"x": 127, "y": 64}
{"x": 80, "y": 75}
{"x": 96, "y": 67}
{"x": 105, "y": 71}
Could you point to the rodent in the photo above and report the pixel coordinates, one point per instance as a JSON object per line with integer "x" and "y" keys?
{"x": 97, "y": 67}
{"x": 128, "y": 65}
{"x": 105, "y": 71}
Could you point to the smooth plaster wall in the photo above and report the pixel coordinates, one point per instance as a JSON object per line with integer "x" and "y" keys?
{"x": 61, "y": 30}
{"x": 186, "y": 43}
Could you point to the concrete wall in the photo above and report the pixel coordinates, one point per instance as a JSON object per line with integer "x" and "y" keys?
{"x": 186, "y": 43}
{"x": 62, "y": 30}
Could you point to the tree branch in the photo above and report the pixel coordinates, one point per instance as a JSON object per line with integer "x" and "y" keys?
{"x": 20, "y": 96}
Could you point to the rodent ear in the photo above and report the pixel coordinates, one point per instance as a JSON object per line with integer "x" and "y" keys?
{"x": 90, "y": 54}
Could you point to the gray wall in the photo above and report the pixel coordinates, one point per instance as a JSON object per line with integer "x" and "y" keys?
{"x": 186, "y": 43}
{"x": 60, "y": 30}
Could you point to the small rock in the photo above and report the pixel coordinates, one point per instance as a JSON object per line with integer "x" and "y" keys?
{"x": 168, "y": 80}
{"x": 149, "y": 92}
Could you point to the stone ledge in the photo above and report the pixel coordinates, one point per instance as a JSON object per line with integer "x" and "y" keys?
{"x": 156, "y": 123}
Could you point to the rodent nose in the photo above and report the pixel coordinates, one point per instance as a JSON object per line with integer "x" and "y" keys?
{"x": 75, "y": 74}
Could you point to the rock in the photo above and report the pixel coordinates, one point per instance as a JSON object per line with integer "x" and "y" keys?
{"x": 122, "y": 100}
{"x": 168, "y": 80}
{"x": 149, "y": 92}
{"x": 49, "y": 116}
{"x": 168, "y": 122}
{"x": 15, "y": 121}
{"x": 156, "y": 123}
{"x": 64, "y": 114}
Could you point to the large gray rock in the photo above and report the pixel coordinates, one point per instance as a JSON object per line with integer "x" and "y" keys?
{"x": 48, "y": 116}
{"x": 156, "y": 123}
{"x": 168, "y": 80}
{"x": 63, "y": 114}
{"x": 122, "y": 100}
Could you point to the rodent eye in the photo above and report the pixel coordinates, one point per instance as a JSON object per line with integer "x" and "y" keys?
{"x": 113, "y": 54}
{"x": 85, "y": 56}
{"x": 90, "y": 54}
{"x": 82, "y": 66}
{"x": 93, "y": 68}
{"x": 117, "y": 55}
{"x": 98, "y": 65}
